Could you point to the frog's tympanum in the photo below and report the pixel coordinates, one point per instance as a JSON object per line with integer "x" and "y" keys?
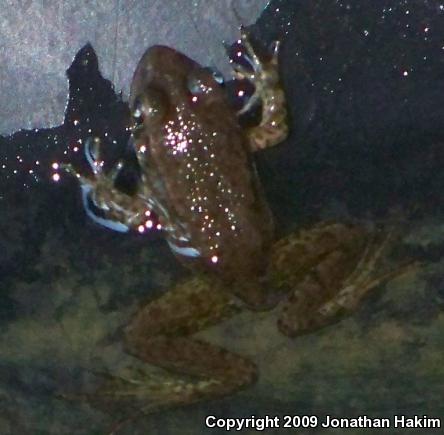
{"x": 198, "y": 177}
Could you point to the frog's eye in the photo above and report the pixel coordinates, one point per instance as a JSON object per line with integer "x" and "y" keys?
{"x": 150, "y": 105}
{"x": 203, "y": 80}
{"x": 196, "y": 85}
{"x": 137, "y": 112}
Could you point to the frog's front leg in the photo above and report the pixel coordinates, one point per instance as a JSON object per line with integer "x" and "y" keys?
{"x": 339, "y": 281}
{"x": 161, "y": 334}
{"x": 264, "y": 75}
{"x": 121, "y": 211}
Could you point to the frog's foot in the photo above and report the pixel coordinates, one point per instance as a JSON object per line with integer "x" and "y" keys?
{"x": 160, "y": 334}
{"x": 330, "y": 291}
{"x": 134, "y": 393}
{"x": 121, "y": 211}
{"x": 264, "y": 75}
{"x": 207, "y": 371}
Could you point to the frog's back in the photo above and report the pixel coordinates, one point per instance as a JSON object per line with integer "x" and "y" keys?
{"x": 197, "y": 164}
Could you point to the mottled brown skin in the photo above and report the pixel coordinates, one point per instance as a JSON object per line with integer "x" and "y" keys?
{"x": 199, "y": 178}
{"x": 208, "y": 194}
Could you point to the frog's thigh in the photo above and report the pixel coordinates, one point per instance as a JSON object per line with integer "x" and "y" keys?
{"x": 298, "y": 253}
{"x": 336, "y": 286}
{"x": 160, "y": 335}
{"x": 302, "y": 312}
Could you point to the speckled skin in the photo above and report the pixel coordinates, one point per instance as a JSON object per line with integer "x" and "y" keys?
{"x": 197, "y": 175}
{"x": 213, "y": 203}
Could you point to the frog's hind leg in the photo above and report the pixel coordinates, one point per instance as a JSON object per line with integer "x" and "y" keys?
{"x": 364, "y": 278}
{"x": 332, "y": 290}
{"x": 160, "y": 334}
{"x": 264, "y": 75}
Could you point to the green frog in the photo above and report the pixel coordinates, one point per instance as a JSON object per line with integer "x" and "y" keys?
{"x": 198, "y": 176}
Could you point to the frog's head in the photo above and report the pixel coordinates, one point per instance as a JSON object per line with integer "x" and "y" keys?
{"x": 166, "y": 80}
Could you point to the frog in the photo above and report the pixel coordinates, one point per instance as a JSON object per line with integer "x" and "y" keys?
{"x": 199, "y": 178}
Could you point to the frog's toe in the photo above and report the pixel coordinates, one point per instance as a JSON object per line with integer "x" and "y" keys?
{"x": 263, "y": 74}
{"x": 274, "y": 50}
{"x": 129, "y": 395}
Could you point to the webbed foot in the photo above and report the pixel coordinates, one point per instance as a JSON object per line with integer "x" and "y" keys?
{"x": 121, "y": 211}
{"x": 264, "y": 75}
